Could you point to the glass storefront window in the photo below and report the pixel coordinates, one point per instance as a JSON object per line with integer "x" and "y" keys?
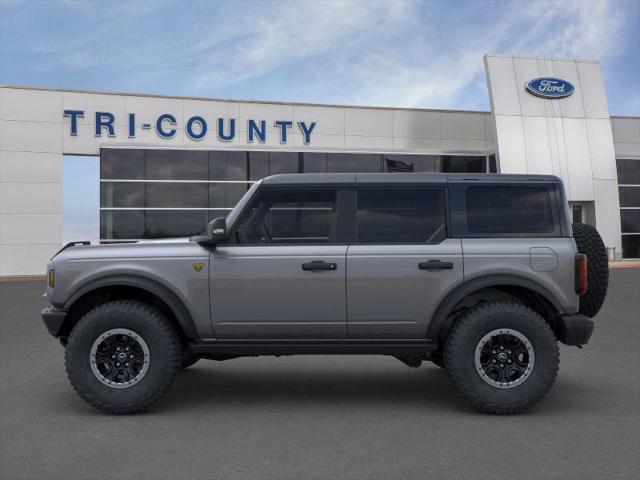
{"x": 576, "y": 213}
{"x": 122, "y": 195}
{"x": 236, "y": 165}
{"x": 463, "y": 164}
{"x": 628, "y": 171}
{"x": 217, "y": 166}
{"x": 283, "y": 162}
{"x": 629, "y": 174}
{"x": 631, "y": 246}
{"x": 258, "y": 165}
{"x": 314, "y": 162}
{"x": 629, "y": 196}
{"x": 217, "y": 195}
{"x": 147, "y": 224}
{"x": 121, "y": 224}
{"x": 228, "y": 165}
{"x": 630, "y": 221}
{"x": 214, "y": 181}
{"x": 353, "y": 163}
{"x": 412, "y": 163}
{"x": 122, "y": 164}
{"x": 176, "y": 165}
{"x": 177, "y": 195}
{"x": 172, "y": 223}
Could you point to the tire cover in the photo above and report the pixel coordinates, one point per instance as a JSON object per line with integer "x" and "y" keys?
{"x": 590, "y": 243}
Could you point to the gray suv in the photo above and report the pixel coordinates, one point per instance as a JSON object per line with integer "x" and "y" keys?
{"x": 479, "y": 274}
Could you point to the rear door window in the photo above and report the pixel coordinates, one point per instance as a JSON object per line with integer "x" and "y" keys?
{"x": 401, "y": 216}
{"x": 501, "y": 210}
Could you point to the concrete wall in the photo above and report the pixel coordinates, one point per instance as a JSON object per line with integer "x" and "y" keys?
{"x": 626, "y": 136}
{"x": 34, "y": 135}
{"x": 31, "y": 135}
{"x": 569, "y": 137}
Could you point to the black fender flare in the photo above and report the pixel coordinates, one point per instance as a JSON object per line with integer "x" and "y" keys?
{"x": 177, "y": 307}
{"x": 440, "y": 322}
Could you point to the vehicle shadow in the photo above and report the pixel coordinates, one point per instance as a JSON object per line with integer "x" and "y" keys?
{"x": 425, "y": 386}
{"x": 216, "y": 388}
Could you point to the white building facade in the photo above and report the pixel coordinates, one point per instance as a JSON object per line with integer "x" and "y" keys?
{"x": 170, "y": 164}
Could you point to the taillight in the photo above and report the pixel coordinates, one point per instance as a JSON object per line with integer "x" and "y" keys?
{"x": 581, "y": 274}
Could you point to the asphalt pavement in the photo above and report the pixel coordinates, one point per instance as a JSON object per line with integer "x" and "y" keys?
{"x": 315, "y": 417}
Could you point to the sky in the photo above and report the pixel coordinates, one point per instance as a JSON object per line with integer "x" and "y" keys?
{"x": 379, "y": 53}
{"x": 387, "y": 53}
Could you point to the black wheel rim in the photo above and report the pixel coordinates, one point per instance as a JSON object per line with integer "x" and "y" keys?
{"x": 119, "y": 358}
{"x": 504, "y": 358}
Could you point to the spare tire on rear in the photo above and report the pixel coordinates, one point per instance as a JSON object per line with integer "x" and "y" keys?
{"x": 590, "y": 243}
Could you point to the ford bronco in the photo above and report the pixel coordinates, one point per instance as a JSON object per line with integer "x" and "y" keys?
{"x": 480, "y": 274}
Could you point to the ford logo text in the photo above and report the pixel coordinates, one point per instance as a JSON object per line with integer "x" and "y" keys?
{"x": 550, "y": 87}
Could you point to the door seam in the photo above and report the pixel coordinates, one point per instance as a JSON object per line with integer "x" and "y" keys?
{"x": 346, "y": 292}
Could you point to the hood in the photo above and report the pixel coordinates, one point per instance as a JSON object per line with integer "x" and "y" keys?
{"x": 142, "y": 248}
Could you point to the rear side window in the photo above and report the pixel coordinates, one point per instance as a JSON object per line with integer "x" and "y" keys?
{"x": 510, "y": 210}
{"x": 401, "y": 216}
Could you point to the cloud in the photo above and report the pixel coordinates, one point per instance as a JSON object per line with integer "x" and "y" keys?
{"x": 386, "y": 55}
{"x": 274, "y": 38}
{"x": 560, "y": 29}
{"x": 387, "y": 52}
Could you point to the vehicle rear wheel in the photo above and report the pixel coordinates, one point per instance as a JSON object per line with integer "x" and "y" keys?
{"x": 590, "y": 243}
{"x": 502, "y": 357}
{"x": 122, "y": 356}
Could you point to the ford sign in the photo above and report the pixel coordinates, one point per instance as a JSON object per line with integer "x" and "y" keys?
{"x": 550, "y": 87}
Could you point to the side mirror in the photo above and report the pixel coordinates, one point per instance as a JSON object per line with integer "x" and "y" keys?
{"x": 216, "y": 233}
{"x": 217, "y": 230}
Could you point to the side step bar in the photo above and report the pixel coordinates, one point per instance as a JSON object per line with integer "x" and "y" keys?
{"x": 311, "y": 347}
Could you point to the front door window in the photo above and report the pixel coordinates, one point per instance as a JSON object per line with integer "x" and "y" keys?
{"x": 291, "y": 217}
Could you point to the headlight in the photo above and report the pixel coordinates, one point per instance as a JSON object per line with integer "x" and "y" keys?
{"x": 52, "y": 277}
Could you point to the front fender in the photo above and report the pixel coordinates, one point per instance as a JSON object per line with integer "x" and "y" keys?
{"x": 175, "y": 304}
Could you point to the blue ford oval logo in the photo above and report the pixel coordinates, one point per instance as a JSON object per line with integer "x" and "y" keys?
{"x": 550, "y": 87}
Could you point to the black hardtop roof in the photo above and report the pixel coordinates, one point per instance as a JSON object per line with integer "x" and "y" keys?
{"x": 354, "y": 179}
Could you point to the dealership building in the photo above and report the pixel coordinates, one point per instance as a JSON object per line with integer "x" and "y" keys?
{"x": 170, "y": 164}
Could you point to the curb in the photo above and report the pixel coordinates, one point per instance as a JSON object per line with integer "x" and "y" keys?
{"x": 625, "y": 264}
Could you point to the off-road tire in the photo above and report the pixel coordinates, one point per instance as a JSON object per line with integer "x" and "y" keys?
{"x": 590, "y": 243}
{"x": 188, "y": 359}
{"x": 165, "y": 355}
{"x": 471, "y": 327}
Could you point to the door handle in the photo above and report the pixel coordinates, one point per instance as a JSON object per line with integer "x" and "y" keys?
{"x": 435, "y": 265}
{"x": 319, "y": 265}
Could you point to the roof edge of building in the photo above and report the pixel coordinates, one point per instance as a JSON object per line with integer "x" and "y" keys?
{"x": 231, "y": 100}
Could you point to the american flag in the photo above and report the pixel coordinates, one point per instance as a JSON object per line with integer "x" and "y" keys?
{"x": 398, "y": 166}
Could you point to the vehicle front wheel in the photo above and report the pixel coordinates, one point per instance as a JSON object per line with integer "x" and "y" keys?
{"x": 502, "y": 357}
{"x": 122, "y": 356}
